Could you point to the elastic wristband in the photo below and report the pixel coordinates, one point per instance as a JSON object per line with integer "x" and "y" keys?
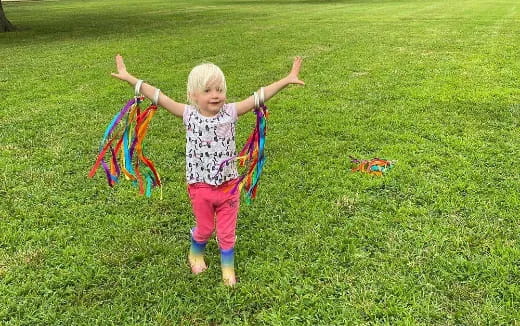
{"x": 138, "y": 87}
{"x": 257, "y": 100}
{"x": 156, "y": 96}
{"x": 262, "y": 96}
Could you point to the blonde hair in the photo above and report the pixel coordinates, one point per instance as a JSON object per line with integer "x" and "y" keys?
{"x": 203, "y": 75}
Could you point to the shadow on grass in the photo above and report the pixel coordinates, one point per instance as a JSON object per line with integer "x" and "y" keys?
{"x": 51, "y": 21}
{"x": 293, "y": 2}
{"x": 52, "y": 26}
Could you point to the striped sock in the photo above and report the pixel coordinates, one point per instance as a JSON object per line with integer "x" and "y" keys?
{"x": 197, "y": 248}
{"x": 196, "y": 256}
{"x": 227, "y": 258}
{"x": 227, "y": 261}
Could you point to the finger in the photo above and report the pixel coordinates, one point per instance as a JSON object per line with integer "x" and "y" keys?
{"x": 119, "y": 62}
{"x": 295, "y": 70}
{"x": 296, "y": 64}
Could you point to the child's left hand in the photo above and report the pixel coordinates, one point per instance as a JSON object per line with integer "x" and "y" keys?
{"x": 121, "y": 69}
{"x": 292, "y": 78}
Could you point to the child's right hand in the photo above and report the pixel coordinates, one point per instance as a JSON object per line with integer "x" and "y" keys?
{"x": 121, "y": 69}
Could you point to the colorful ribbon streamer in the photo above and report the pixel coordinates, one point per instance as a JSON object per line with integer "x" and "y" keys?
{"x": 252, "y": 157}
{"x": 375, "y": 166}
{"x": 128, "y": 144}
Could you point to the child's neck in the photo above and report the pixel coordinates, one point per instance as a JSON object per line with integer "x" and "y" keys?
{"x": 206, "y": 113}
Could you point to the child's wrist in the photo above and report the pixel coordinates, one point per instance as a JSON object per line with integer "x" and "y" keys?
{"x": 130, "y": 79}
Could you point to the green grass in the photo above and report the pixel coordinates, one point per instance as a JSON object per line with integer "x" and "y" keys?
{"x": 432, "y": 84}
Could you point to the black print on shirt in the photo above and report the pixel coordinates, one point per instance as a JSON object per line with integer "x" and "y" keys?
{"x": 210, "y": 141}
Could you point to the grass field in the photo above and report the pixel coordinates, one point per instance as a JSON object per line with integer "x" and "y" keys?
{"x": 431, "y": 84}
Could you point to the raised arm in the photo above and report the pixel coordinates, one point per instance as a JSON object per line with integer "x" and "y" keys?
{"x": 269, "y": 91}
{"x": 147, "y": 90}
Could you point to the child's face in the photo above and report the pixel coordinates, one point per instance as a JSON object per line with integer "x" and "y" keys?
{"x": 210, "y": 99}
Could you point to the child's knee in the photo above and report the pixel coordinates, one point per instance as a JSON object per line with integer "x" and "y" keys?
{"x": 226, "y": 241}
{"x": 202, "y": 234}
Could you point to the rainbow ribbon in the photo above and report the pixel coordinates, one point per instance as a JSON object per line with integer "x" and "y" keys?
{"x": 128, "y": 144}
{"x": 252, "y": 157}
{"x": 375, "y": 166}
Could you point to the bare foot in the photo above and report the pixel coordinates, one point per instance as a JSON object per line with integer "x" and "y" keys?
{"x": 197, "y": 263}
{"x": 228, "y": 276}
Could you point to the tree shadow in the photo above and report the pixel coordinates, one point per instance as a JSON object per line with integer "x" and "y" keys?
{"x": 293, "y": 2}
{"x": 53, "y": 25}
{"x": 51, "y": 21}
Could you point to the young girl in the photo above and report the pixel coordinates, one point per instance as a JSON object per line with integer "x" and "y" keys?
{"x": 210, "y": 139}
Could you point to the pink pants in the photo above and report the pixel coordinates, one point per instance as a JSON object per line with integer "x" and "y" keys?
{"x": 214, "y": 207}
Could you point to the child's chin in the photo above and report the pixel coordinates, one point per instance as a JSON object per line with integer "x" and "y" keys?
{"x": 215, "y": 107}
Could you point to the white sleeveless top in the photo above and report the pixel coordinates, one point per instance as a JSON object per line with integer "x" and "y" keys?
{"x": 210, "y": 141}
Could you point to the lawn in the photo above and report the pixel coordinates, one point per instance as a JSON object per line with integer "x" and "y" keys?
{"x": 431, "y": 84}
